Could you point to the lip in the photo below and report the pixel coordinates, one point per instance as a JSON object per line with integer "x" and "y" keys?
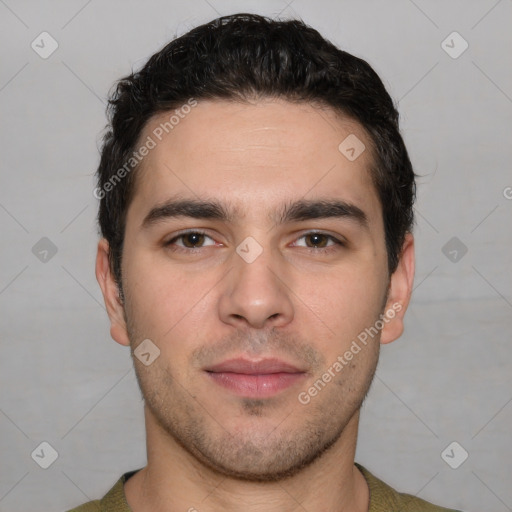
{"x": 251, "y": 367}
{"x": 255, "y": 379}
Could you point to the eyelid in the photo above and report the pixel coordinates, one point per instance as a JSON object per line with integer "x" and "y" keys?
{"x": 334, "y": 238}
{"x": 337, "y": 241}
{"x": 181, "y": 234}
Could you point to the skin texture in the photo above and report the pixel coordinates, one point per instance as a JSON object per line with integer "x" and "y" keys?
{"x": 207, "y": 447}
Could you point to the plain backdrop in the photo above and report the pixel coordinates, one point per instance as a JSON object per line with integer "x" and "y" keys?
{"x": 448, "y": 379}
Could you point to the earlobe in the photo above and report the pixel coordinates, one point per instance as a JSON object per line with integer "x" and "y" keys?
{"x": 111, "y": 296}
{"x": 400, "y": 290}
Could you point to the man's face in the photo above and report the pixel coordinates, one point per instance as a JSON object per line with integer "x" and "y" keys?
{"x": 257, "y": 286}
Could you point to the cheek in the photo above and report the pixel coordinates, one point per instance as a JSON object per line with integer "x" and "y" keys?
{"x": 159, "y": 297}
{"x": 341, "y": 304}
{"x": 168, "y": 304}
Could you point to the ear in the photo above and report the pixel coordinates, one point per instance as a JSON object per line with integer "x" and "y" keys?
{"x": 110, "y": 290}
{"x": 399, "y": 293}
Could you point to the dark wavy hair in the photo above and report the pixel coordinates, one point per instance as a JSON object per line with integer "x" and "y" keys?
{"x": 244, "y": 57}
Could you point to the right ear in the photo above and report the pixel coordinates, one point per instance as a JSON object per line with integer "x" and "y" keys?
{"x": 110, "y": 290}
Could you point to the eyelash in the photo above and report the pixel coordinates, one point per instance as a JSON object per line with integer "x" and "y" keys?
{"x": 325, "y": 250}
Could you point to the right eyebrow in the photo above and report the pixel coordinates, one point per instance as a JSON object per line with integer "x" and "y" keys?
{"x": 196, "y": 209}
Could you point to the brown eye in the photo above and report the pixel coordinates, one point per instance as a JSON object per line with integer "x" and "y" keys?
{"x": 318, "y": 240}
{"x": 319, "y": 243}
{"x": 191, "y": 240}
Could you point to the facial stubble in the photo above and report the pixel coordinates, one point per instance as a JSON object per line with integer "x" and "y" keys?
{"x": 282, "y": 436}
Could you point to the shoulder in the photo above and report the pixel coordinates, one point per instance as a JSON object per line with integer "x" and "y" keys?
{"x": 384, "y": 498}
{"x": 91, "y": 506}
{"x": 113, "y": 501}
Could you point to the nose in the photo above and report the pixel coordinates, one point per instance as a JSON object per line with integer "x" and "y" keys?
{"x": 255, "y": 294}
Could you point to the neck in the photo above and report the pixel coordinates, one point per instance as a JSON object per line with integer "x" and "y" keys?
{"x": 175, "y": 480}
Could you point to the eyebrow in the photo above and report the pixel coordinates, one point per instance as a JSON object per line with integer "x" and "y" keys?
{"x": 296, "y": 211}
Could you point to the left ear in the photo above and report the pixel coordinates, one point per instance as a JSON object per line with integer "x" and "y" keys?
{"x": 400, "y": 289}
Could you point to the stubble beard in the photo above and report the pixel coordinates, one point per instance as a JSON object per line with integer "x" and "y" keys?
{"x": 268, "y": 455}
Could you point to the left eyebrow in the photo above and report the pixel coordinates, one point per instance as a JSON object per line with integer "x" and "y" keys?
{"x": 296, "y": 211}
{"x": 322, "y": 209}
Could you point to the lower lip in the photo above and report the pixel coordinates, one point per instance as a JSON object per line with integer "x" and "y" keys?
{"x": 256, "y": 386}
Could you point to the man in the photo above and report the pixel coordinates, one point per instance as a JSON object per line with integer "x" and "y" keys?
{"x": 256, "y": 211}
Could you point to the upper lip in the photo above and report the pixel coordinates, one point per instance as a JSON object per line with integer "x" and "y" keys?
{"x": 252, "y": 367}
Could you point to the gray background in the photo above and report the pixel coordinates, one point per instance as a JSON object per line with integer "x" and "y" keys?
{"x": 64, "y": 381}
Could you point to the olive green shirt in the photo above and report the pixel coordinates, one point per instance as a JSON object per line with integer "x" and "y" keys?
{"x": 382, "y": 498}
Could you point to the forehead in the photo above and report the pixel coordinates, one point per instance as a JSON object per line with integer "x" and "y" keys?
{"x": 255, "y": 155}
